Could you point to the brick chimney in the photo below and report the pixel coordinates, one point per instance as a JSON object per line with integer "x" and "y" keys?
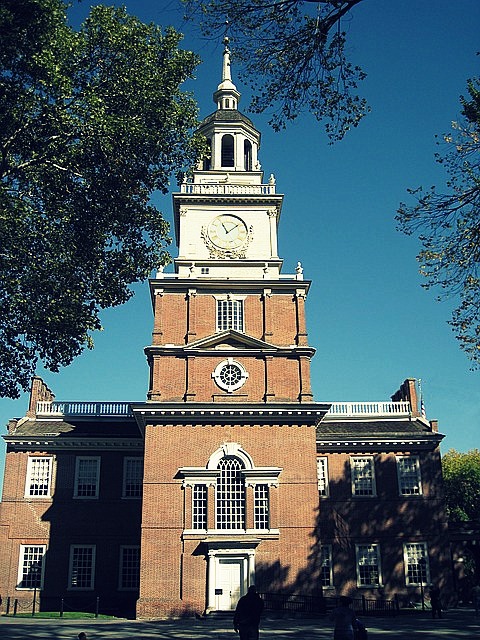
{"x": 38, "y": 392}
{"x": 408, "y": 392}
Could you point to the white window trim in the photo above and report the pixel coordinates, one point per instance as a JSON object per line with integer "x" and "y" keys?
{"x": 236, "y": 521}
{"x": 419, "y": 476}
{"x": 268, "y": 501}
{"x": 427, "y": 563}
{"x": 230, "y": 388}
{"x": 209, "y": 475}
{"x": 200, "y": 484}
{"x": 120, "y": 565}
{"x": 374, "y": 484}
{"x": 70, "y": 567}
{"x": 379, "y": 565}
{"x": 28, "y": 479}
{"x": 21, "y": 555}
{"x": 75, "y": 486}
{"x": 124, "y": 482}
{"x": 322, "y": 465}
{"x": 229, "y": 297}
{"x": 328, "y": 548}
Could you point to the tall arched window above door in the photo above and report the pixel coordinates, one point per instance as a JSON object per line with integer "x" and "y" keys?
{"x": 228, "y": 156}
{"x": 217, "y": 494}
{"x": 230, "y": 494}
{"x": 247, "y": 154}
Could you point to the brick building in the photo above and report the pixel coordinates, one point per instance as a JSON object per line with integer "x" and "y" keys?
{"x": 229, "y": 473}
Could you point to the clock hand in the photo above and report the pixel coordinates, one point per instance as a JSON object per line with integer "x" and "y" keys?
{"x": 232, "y": 228}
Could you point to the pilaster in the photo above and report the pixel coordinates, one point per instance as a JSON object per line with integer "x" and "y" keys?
{"x": 306, "y": 394}
{"x": 302, "y": 335}
{"x": 267, "y": 315}
{"x": 191, "y": 315}
{"x": 269, "y": 389}
{"x": 157, "y": 334}
{"x": 190, "y": 392}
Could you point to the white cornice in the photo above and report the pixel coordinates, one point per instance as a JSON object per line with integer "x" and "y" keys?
{"x": 373, "y": 444}
{"x": 158, "y": 413}
{"x": 58, "y": 443}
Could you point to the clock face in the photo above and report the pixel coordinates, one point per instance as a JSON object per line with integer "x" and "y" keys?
{"x": 227, "y": 232}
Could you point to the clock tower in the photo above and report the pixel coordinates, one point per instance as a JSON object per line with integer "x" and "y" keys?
{"x": 230, "y": 481}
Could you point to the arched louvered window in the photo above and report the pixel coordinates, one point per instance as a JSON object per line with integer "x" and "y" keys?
{"x": 230, "y": 495}
{"x": 207, "y": 160}
{"x": 247, "y": 153}
{"x": 227, "y": 151}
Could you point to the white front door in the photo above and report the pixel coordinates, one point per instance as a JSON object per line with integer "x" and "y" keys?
{"x": 229, "y": 581}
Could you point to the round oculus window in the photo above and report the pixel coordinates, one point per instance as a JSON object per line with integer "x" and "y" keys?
{"x": 230, "y": 375}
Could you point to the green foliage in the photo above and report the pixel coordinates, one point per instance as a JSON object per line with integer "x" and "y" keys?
{"x": 292, "y": 53}
{"x": 91, "y": 123}
{"x": 461, "y": 474}
{"x": 448, "y": 225}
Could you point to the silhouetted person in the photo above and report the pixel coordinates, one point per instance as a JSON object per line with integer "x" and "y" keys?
{"x": 344, "y": 620}
{"x": 436, "y": 602}
{"x": 82, "y": 635}
{"x": 246, "y": 620}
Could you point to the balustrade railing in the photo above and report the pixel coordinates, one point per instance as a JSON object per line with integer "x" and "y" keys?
{"x": 83, "y": 409}
{"x": 359, "y": 409}
{"x": 227, "y": 189}
{"x": 338, "y": 409}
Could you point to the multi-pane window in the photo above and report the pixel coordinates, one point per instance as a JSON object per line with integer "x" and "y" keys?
{"x": 82, "y": 567}
{"x": 409, "y": 480}
{"x": 368, "y": 565}
{"x": 229, "y": 315}
{"x": 30, "y": 569}
{"x": 322, "y": 475}
{"x": 326, "y": 577}
{"x": 87, "y": 476}
{"x": 261, "y": 506}
{"x": 39, "y": 477}
{"x": 417, "y": 569}
{"x": 363, "y": 476}
{"x": 132, "y": 477}
{"x": 129, "y": 568}
{"x": 199, "y": 506}
{"x": 230, "y": 495}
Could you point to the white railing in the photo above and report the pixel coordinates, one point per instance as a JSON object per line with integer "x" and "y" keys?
{"x": 359, "y": 409}
{"x": 226, "y": 188}
{"x": 338, "y": 409}
{"x": 83, "y": 409}
{"x": 162, "y": 275}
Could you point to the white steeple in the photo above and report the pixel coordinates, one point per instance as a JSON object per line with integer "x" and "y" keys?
{"x": 226, "y": 218}
{"x": 226, "y": 96}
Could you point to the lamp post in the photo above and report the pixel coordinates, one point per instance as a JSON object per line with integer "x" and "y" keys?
{"x": 36, "y": 570}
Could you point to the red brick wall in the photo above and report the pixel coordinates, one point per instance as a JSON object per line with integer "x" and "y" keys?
{"x": 171, "y": 381}
{"x": 277, "y": 323}
{"x": 61, "y": 520}
{"x": 171, "y": 562}
{"x": 387, "y": 518}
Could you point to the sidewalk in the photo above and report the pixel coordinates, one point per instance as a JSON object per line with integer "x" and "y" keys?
{"x": 456, "y": 624}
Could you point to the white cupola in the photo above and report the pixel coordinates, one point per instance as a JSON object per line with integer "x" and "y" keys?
{"x": 231, "y": 137}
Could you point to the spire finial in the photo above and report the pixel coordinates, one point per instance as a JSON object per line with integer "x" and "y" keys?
{"x": 226, "y": 73}
{"x": 226, "y": 96}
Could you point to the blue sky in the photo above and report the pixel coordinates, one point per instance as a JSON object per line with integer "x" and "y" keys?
{"x": 368, "y": 317}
